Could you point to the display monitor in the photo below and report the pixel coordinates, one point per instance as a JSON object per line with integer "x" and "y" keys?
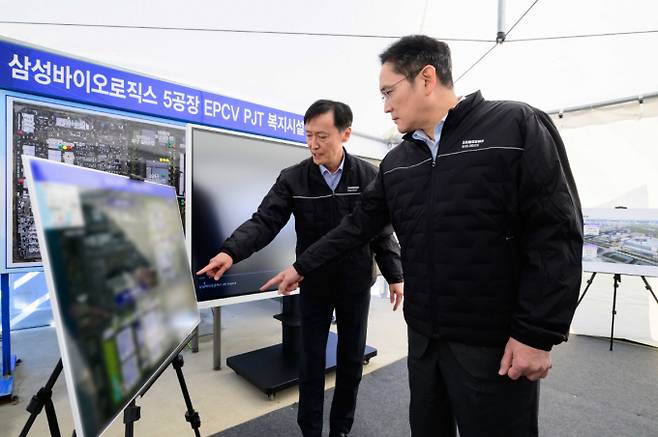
{"x": 623, "y": 241}
{"x": 229, "y": 174}
{"x": 119, "y": 281}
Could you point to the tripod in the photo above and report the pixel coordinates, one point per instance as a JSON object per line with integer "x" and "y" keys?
{"x": 131, "y": 412}
{"x": 617, "y": 280}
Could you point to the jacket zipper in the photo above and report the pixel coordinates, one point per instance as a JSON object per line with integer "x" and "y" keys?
{"x": 430, "y": 252}
{"x": 430, "y": 249}
{"x": 430, "y": 233}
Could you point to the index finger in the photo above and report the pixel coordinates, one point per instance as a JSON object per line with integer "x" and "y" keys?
{"x": 205, "y": 269}
{"x": 272, "y": 281}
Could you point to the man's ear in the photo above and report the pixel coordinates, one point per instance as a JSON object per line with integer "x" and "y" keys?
{"x": 345, "y": 135}
{"x": 428, "y": 75}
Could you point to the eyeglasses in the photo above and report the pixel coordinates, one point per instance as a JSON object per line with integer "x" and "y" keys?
{"x": 386, "y": 92}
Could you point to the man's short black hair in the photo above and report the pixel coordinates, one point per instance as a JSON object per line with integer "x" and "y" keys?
{"x": 411, "y": 53}
{"x": 342, "y": 113}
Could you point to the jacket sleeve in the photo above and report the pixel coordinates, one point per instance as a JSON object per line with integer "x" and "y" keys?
{"x": 271, "y": 216}
{"x": 364, "y": 223}
{"x": 387, "y": 255}
{"x": 550, "y": 239}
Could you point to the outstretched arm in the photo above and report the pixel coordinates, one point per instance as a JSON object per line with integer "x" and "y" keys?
{"x": 361, "y": 226}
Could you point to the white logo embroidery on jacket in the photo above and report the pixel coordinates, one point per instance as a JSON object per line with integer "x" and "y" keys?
{"x": 471, "y": 144}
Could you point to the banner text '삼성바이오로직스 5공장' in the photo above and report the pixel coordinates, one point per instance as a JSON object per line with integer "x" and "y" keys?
{"x": 32, "y": 70}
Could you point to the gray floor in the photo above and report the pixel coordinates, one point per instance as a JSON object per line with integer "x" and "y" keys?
{"x": 591, "y": 392}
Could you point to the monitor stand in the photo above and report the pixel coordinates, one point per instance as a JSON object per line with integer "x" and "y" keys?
{"x": 274, "y": 368}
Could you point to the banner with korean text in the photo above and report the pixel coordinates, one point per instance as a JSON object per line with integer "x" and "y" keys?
{"x": 31, "y": 70}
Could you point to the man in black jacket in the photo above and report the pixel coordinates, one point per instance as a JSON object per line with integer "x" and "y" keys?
{"x": 484, "y": 205}
{"x": 320, "y": 191}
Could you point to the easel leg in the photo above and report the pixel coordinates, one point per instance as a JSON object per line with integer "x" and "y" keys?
{"x": 131, "y": 414}
{"x": 53, "y": 426}
{"x": 589, "y": 282}
{"x": 191, "y": 416}
{"x": 41, "y": 399}
{"x": 648, "y": 287}
{"x": 617, "y": 280}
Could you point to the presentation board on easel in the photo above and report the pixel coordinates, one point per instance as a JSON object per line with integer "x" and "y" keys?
{"x": 119, "y": 281}
{"x": 621, "y": 241}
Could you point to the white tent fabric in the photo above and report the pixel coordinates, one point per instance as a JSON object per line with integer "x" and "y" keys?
{"x": 290, "y": 70}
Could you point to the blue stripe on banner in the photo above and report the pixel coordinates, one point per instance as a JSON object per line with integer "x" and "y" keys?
{"x": 27, "y": 69}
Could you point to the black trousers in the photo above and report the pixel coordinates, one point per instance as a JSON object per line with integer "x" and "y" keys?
{"x": 457, "y": 385}
{"x": 352, "y": 321}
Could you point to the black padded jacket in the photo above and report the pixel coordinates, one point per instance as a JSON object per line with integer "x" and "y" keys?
{"x": 491, "y": 230}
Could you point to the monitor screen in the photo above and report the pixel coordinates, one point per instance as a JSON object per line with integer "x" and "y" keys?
{"x": 230, "y": 174}
{"x": 119, "y": 282}
{"x": 623, "y": 241}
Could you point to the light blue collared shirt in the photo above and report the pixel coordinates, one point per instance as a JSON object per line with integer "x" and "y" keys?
{"x": 332, "y": 179}
{"x": 420, "y": 134}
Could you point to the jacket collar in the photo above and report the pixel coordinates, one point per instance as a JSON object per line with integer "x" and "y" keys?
{"x": 458, "y": 113}
{"x": 318, "y": 179}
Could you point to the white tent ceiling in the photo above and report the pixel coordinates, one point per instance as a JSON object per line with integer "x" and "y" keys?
{"x": 288, "y": 53}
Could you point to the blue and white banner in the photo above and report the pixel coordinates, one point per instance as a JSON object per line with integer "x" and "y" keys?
{"x": 30, "y": 70}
